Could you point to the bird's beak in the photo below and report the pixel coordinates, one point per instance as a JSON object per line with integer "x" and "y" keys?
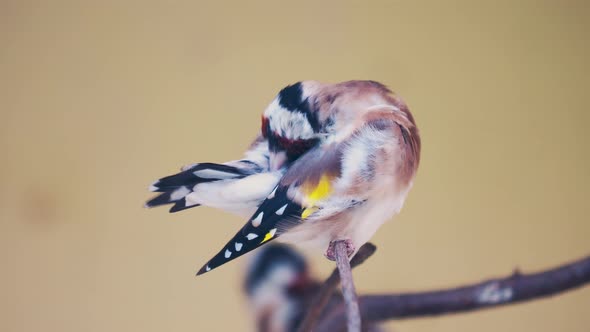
{"x": 277, "y": 160}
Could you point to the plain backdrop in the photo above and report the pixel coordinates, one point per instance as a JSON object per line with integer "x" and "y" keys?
{"x": 100, "y": 98}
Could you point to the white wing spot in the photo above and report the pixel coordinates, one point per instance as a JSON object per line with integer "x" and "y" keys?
{"x": 238, "y": 246}
{"x": 189, "y": 203}
{"x": 214, "y": 174}
{"x": 272, "y": 194}
{"x": 207, "y": 268}
{"x": 281, "y": 210}
{"x": 251, "y": 236}
{"x": 272, "y": 232}
{"x": 258, "y": 220}
{"x": 154, "y": 186}
{"x": 227, "y": 253}
{"x": 179, "y": 193}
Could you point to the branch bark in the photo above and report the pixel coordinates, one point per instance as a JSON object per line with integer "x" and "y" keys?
{"x": 487, "y": 294}
{"x": 323, "y": 297}
{"x": 351, "y": 301}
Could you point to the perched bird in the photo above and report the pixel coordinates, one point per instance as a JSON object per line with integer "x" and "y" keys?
{"x": 332, "y": 162}
{"x": 280, "y": 289}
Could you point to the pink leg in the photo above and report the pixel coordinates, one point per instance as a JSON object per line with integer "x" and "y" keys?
{"x": 331, "y": 253}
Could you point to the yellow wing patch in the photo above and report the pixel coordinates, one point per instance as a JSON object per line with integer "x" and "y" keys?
{"x": 320, "y": 191}
{"x": 269, "y": 235}
{"x": 308, "y": 211}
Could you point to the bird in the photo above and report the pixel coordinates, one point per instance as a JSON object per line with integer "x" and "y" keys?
{"x": 280, "y": 289}
{"x": 278, "y": 286}
{"x": 331, "y": 162}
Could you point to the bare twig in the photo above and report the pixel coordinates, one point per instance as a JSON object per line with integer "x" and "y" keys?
{"x": 351, "y": 301}
{"x": 491, "y": 293}
{"x": 320, "y": 301}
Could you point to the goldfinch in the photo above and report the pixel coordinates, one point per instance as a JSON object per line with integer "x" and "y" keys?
{"x": 278, "y": 287}
{"x": 331, "y": 162}
{"x": 280, "y": 290}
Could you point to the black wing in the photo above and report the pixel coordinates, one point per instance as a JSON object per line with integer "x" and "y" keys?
{"x": 276, "y": 214}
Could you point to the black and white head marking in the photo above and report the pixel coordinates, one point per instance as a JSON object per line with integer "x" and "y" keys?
{"x": 290, "y": 122}
{"x": 293, "y": 99}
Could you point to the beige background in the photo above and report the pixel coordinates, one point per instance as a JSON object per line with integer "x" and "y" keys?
{"x": 98, "y": 99}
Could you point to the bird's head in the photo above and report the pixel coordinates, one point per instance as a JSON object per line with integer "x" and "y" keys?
{"x": 291, "y": 123}
{"x": 276, "y": 268}
{"x": 277, "y": 279}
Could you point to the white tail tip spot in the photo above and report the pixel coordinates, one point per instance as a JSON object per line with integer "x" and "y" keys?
{"x": 281, "y": 210}
{"x": 258, "y": 220}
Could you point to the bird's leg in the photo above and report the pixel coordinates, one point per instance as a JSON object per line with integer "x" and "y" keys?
{"x": 324, "y": 295}
{"x": 331, "y": 251}
{"x": 342, "y": 250}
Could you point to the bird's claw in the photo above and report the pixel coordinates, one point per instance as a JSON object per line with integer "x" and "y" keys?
{"x": 331, "y": 251}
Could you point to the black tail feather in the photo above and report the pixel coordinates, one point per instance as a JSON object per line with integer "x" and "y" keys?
{"x": 161, "y": 199}
{"x": 172, "y": 182}
{"x": 174, "y": 188}
{"x": 180, "y": 205}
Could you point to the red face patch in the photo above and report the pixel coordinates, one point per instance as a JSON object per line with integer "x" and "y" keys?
{"x": 264, "y": 127}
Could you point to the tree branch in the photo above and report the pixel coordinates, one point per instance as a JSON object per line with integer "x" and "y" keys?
{"x": 487, "y": 294}
{"x": 320, "y": 301}
{"x": 353, "y": 314}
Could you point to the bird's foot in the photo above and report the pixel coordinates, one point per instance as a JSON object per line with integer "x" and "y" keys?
{"x": 331, "y": 251}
